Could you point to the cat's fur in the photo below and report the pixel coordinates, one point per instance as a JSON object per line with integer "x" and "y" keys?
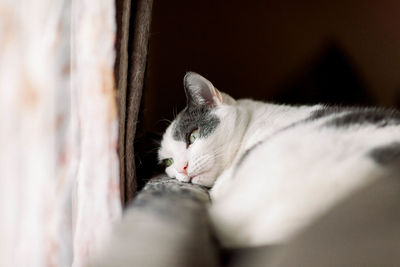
{"x": 274, "y": 168}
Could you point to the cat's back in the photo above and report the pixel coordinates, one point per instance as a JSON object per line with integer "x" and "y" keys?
{"x": 302, "y": 168}
{"x": 367, "y": 125}
{"x": 265, "y": 119}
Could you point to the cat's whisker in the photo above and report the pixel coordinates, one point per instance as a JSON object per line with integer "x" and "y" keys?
{"x": 175, "y": 112}
{"x": 207, "y": 158}
{"x": 164, "y": 120}
{"x": 154, "y": 149}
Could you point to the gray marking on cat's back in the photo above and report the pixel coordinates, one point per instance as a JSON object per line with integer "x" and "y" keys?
{"x": 361, "y": 116}
{"x": 314, "y": 115}
{"x": 389, "y": 154}
{"x": 195, "y": 118}
{"x": 328, "y": 111}
{"x": 247, "y": 153}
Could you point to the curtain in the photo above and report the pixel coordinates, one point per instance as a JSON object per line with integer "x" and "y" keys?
{"x": 59, "y": 171}
{"x": 133, "y": 33}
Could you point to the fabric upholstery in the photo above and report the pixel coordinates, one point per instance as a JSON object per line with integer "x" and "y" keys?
{"x": 166, "y": 225}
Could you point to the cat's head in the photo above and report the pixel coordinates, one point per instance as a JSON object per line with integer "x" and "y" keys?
{"x": 201, "y": 141}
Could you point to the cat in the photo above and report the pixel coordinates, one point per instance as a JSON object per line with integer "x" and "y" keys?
{"x": 272, "y": 168}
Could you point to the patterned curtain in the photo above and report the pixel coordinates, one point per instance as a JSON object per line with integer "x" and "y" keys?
{"x": 59, "y": 171}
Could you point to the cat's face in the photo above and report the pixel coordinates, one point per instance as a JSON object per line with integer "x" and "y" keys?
{"x": 193, "y": 148}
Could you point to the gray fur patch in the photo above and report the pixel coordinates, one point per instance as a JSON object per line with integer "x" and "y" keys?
{"x": 329, "y": 110}
{"x": 247, "y": 153}
{"x": 388, "y": 154}
{"x": 192, "y": 118}
{"x": 360, "y": 116}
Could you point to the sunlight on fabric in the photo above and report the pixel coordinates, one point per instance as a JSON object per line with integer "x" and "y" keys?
{"x": 59, "y": 181}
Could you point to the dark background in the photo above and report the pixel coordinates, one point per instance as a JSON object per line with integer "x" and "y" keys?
{"x": 297, "y": 52}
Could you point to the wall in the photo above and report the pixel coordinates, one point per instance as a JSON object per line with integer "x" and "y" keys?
{"x": 343, "y": 52}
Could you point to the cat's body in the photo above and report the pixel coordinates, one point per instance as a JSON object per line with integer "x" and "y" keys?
{"x": 275, "y": 168}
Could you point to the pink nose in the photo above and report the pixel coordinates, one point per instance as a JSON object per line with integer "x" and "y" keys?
{"x": 184, "y": 170}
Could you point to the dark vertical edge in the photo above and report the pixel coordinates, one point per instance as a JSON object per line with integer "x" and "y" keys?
{"x": 123, "y": 11}
{"x": 136, "y": 70}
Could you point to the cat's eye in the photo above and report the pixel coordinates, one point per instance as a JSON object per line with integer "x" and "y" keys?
{"x": 168, "y": 162}
{"x": 193, "y": 136}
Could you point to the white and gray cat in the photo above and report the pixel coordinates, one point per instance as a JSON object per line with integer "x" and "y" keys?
{"x": 273, "y": 168}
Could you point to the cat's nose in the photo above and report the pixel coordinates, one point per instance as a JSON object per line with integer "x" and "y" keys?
{"x": 184, "y": 169}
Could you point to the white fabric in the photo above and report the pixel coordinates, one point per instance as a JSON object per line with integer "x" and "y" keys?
{"x": 59, "y": 186}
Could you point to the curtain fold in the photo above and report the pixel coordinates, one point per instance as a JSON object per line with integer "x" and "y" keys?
{"x": 123, "y": 15}
{"x": 96, "y": 195}
{"x": 133, "y": 22}
{"x": 59, "y": 172}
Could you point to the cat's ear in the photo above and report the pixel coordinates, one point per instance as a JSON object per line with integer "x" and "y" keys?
{"x": 200, "y": 91}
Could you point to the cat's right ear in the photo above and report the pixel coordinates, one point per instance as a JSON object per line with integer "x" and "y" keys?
{"x": 200, "y": 91}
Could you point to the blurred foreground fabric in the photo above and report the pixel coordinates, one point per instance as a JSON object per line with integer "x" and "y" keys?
{"x": 59, "y": 182}
{"x": 167, "y": 225}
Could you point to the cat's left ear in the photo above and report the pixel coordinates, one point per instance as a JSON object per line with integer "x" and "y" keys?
{"x": 200, "y": 91}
